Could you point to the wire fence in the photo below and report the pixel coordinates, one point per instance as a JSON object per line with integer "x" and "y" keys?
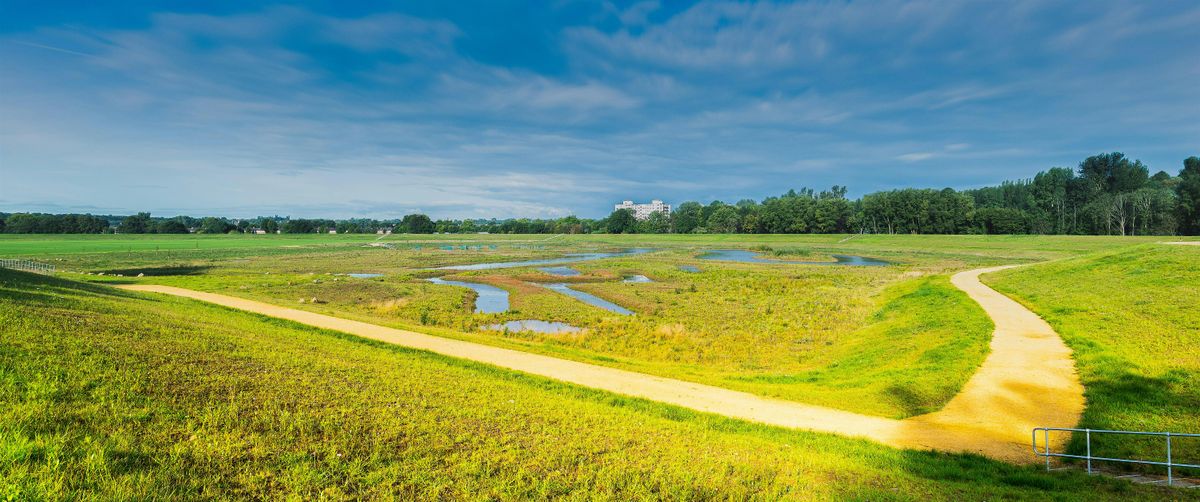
{"x": 27, "y": 265}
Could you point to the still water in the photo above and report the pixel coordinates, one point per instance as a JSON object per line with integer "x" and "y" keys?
{"x": 560, "y": 271}
{"x": 589, "y": 299}
{"x": 533, "y": 325}
{"x": 741, "y": 255}
{"x": 571, "y": 258}
{"x": 491, "y": 300}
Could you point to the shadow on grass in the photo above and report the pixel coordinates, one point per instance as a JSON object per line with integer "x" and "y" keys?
{"x": 1118, "y": 396}
{"x": 172, "y": 270}
{"x": 18, "y": 285}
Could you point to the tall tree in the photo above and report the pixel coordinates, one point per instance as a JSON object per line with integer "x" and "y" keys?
{"x": 724, "y": 220}
{"x": 1188, "y": 193}
{"x": 686, "y": 217}
{"x": 214, "y": 225}
{"x": 135, "y": 224}
{"x": 171, "y": 226}
{"x": 621, "y": 221}
{"x": 417, "y": 224}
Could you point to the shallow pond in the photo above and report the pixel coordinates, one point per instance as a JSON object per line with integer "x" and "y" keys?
{"x": 571, "y": 258}
{"x": 689, "y": 268}
{"x": 560, "y": 271}
{"x": 364, "y": 276}
{"x": 637, "y": 278}
{"x": 741, "y": 255}
{"x": 490, "y": 299}
{"x": 589, "y": 299}
{"x": 533, "y": 325}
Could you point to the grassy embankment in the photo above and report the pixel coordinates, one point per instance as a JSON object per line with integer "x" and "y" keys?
{"x": 115, "y": 395}
{"x": 1132, "y": 318}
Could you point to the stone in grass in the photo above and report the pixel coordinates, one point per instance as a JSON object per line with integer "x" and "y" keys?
{"x": 141, "y": 274}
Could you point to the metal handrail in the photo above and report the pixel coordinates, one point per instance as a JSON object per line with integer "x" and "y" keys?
{"x": 1170, "y": 464}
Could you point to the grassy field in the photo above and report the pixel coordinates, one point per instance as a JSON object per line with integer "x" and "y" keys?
{"x": 1132, "y": 318}
{"x": 113, "y": 395}
{"x": 891, "y": 341}
{"x": 894, "y": 341}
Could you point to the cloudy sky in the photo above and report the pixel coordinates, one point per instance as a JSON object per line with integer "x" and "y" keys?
{"x": 495, "y": 108}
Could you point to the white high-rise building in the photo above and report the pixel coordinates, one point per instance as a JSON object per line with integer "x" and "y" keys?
{"x": 643, "y": 211}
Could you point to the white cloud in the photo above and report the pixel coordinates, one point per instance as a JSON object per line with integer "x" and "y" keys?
{"x": 916, "y": 156}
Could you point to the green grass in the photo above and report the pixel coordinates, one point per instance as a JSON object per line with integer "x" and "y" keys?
{"x": 894, "y": 342}
{"x": 117, "y": 396}
{"x": 834, "y": 336}
{"x": 828, "y": 335}
{"x": 1132, "y": 318}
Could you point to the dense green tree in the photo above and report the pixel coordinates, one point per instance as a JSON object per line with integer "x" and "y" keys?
{"x": 1188, "y": 194}
{"x": 656, "y": 223}
{"x": 214, "y": 225}
{"x": 37, "y": 223}
{"x": 299, "y": 226}
{"x": 417, "y": 224}
{"x": 1113, "y": 173}
{"x": 687, "y": 217}
{"x": 621, "y": 221}
{"x": 24, "y": 223}
{"x": 171, "y": 226}
{"x": 723, "y": 220}
{"x": 1001, "y": 220}
{"x": 136, "y": 224}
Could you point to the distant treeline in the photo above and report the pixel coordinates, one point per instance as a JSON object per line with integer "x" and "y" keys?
{"x": 1107, "y": 194}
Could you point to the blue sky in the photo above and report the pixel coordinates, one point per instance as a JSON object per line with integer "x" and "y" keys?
{"x": 497, "y": 108}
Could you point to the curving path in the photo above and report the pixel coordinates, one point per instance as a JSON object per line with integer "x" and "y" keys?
{"x": 1027, "y": 380}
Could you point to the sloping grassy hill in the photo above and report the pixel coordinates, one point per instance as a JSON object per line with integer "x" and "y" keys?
{"x": 1133, "y": 319}
{"x": 113, "y": 395}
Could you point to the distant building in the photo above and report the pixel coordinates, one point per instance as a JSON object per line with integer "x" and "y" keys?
{"x": 643, "y": 211}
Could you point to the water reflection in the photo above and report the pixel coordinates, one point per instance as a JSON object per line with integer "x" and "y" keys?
{"x": 489, "y": 299}
{"x": 741, "y": 255}
{"x": 589, "y": 299}
{"x": 570, "y": 258}
{"x": 560, "y": 271}
{"x": 549, "y": 327}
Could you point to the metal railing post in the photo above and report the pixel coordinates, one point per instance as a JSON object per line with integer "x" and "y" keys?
{"x": 1046, "y": 438}
{"x": 1089, "y": 448}
{"x": 1170, "y": 471}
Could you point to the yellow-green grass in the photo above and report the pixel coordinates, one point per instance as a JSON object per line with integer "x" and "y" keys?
{"x": 117, "y": 396}
{"x": 894, "y": 341}
{"x": 1132, "y": 318}
{"x": 889, "y": 341}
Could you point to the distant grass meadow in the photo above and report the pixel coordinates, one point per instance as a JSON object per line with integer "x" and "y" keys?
{"x": 892, "y": 341}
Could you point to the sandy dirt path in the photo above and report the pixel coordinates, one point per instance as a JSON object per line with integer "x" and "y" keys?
{"x": 1027, "y": 380}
